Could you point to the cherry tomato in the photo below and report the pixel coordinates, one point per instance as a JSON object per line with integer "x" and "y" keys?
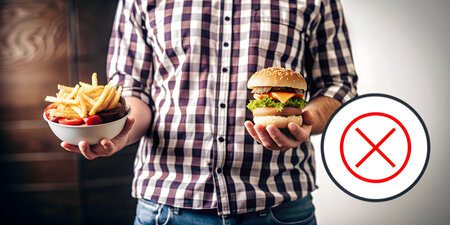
{"x": 72, "y": 122}
{"x": 92, "y": 120}
{"x": 47, "y": 112}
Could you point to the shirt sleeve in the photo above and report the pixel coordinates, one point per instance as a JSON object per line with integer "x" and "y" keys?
{"x": 329, "y": 61}
{"x": 129, "y": 60}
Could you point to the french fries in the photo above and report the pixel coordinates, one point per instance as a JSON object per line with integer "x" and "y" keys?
{"x": 84, "y": 99}
{"x": 94, "y": 80}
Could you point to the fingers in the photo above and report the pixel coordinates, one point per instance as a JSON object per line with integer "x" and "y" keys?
{"x": 280, "y": 139}
{"x": 300, "y": 133}
{"x": 307, "y": 118}
{"x": 70, "y": 148}
{"x": 82, "y": 148}
{"x": 250, "y": 128}
{"x": 270, "y": 136}
{"x": 106, "y": 147}
{"x": 265, "y": 138}
{"x": 85, "y": 149}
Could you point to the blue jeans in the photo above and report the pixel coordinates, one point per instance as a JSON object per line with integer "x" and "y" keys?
{"x": 300, "y": 212}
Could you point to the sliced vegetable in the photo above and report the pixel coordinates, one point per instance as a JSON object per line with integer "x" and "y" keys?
{"x": 70, "y": 121}
{"x": 92, "y": 120}
{"x": 47, "y": 112}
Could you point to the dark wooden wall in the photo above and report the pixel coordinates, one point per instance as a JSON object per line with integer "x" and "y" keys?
{"x": 43, "y": 43}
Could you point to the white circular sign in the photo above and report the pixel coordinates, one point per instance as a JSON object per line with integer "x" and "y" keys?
{"x": 375, "y": 147}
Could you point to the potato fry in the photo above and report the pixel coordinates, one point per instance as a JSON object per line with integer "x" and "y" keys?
{"x": 64, "y": 88}
{"x": 115, "y": 101}
{"x": 66, "y": 113}
{"x": 62, "y": 94}
{"x": 82, "y": 106}
{"x": 94, "y": 79}
{"x": 63, "y": 91}
{"x": 74, "y": 92}
{"x": 84, "y": 99}
{"x": 61, "y": 107}
{"x": 61, "y": 100}
{"x": 108, "y": 99}
{"x": 100, "y": 100}
{"x": 85, "y": 85}
{"x": 88, "y": 99}
{"x": 94, "y": 92}
{"x": 78, "y": 111}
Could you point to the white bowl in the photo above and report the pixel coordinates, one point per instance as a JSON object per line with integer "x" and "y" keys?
{"x": 92, "y": 134}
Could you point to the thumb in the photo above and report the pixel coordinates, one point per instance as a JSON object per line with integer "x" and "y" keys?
{"x": 307, "y": 118}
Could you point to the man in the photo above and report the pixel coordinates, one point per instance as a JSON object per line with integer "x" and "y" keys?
{"x": 184, "y": 66}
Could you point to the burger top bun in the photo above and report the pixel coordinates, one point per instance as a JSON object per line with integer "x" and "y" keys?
{"x": 276, "y": 77}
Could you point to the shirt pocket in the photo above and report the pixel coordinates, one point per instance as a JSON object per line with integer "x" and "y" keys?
{"x": 278, "y": 37}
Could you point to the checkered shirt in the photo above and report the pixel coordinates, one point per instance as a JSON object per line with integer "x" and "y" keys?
{"x": 190, "y": 62}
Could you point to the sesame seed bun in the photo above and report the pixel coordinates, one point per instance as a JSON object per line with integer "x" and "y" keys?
{"x": 278, "y": 121}
{"x": 276, "y": 77}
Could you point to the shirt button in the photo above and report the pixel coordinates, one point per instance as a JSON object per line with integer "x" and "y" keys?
{"x": 224, "y": 70}
{"x": 222, "y": 105}
{"x": 227, "y": 18}
{"x": 221, "y": 139}
{"x": 225, "y": 44}
{"x": 219, "y": 170}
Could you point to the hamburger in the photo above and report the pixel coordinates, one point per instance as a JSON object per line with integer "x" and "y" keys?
{"x": 278, "y": 97}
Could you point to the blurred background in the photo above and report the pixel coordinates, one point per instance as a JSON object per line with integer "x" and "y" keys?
{"x": 400, "y": 48}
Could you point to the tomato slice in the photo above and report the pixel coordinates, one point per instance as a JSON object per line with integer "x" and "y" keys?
{"x": 92, "y": 120}
{"x": 72, "y": 122}
{"x": 47, "y": 112}
{"x": 51, "y": 106}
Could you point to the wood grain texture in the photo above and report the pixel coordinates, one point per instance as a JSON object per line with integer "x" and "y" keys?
{"x": 33, "y": 56}
{"x": 38, "y": 185}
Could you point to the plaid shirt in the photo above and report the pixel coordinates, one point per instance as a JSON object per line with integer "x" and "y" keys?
{"x": 190, "y": 61}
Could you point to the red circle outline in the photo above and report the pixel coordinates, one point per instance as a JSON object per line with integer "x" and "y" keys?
{"x": 408, "y": 154}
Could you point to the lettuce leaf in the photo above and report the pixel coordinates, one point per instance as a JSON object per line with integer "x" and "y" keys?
{"x": 268, "y": 102}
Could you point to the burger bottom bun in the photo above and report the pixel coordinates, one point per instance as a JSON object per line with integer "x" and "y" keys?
{"x": 278, "y": 121}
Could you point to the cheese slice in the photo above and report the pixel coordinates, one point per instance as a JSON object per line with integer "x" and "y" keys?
{"x": 282, "y": 96}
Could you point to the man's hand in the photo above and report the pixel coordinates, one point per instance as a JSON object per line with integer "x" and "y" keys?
{"x": 106, "y": 147}
{"x": 272, "y": 138}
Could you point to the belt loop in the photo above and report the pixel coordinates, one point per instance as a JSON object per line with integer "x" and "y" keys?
{"x": 224, "y": 222}
{"x": 169, "y": 215}
{"x": 160, "y": 207}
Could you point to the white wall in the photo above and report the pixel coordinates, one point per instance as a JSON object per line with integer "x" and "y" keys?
{"x": 401, "y": 48}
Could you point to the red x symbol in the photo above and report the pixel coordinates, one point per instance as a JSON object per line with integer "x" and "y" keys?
{"x": 375, "y": 147}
